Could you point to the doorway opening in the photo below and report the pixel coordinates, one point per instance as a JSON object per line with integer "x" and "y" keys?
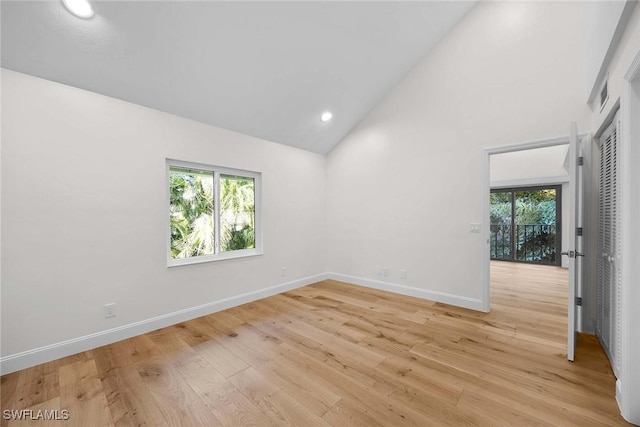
{"x": 573, "y": 176}
{"x": 525, "y": 167}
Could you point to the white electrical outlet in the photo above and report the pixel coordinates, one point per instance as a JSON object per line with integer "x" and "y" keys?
{"x": 283, "y": 271}
{"x": 403, "y": 274}
{"x": 110, "y": 310}
{"x": 474, "y": 227}
{"x": 385, "y": 271}
{"x": 379, "y": 270}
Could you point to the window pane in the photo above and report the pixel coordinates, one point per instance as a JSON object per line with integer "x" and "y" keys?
{"x": 237, "y": 213}
{"x": 191, "y": 210}
{"x": 536, "y": 225}
{"x": 501, "y": 225}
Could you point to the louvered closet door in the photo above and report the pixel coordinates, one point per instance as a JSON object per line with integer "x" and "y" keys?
{"x": 609, "y": 278}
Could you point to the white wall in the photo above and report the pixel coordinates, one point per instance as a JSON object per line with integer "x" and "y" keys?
{"x": 628, "y": 49}
{"x": 405, "y": 185}
{"x": 84, "y": 214}
{"x": 605, "y": 22}
{"x": 529, "y": 167}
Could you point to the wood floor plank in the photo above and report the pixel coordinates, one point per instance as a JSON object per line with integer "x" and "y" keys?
{"x": 222, "y": 398}
{"x": 221, "y": 359}
{"x": 321, "y": 354}
{"x": 45, "y": 414}
{"x": 129, "y": 400}
{"x": 244, "y": 341}
{"x": 410, "y": 374}
{"x": 36, "y": 385}
{"x": 282, "y": 408}
{"x": 338, "y": 354}
{"x": 82, "y": 394}
{"x": 346, "y": 413}
{"x": 509, "y": 414}
{"x": 8, "y": 393}
{"x": 316, "y": 397}
{"x": 178, "y": 403}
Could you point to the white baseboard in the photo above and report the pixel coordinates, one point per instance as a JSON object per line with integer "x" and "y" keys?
{"x": 619, "y": 396}
{"x": 445, "y": 298}
{"x": 26, "y": 359}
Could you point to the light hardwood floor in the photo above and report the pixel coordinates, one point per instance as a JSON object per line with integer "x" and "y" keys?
{"x": 341, "y": 355}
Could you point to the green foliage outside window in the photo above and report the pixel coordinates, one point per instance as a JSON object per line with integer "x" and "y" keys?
{"x": 191, "y": 209}
{"x": 534, "y": 236}
{"x": 532, "y": 207}
{"x": 237, "y": 217}
{"x": 193, "y": 214}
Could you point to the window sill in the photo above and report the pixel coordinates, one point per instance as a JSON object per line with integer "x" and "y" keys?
{"x": 246, "y": 253}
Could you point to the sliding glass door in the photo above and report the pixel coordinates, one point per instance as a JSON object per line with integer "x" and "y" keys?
{"x": 525, "y": 224}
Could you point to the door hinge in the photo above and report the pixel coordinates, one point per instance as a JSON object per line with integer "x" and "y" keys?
{"x": 579, "y": 301}
{"x": 579, "y": 231}
{"x": 580, "y": 161}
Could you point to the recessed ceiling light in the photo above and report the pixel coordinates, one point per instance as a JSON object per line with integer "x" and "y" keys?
{"x": 326, "y": 116}
{"x": 80, "y": 8}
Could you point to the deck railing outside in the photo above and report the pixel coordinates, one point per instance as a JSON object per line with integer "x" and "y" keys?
{"x": 533, "y": 243}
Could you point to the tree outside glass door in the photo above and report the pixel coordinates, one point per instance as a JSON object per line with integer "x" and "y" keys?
{"x": 525, "y": 224}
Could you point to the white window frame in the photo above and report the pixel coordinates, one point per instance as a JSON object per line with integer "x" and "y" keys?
{"x": 217, "y": 171}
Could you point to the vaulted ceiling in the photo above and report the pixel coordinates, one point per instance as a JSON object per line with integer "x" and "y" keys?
{"x": 266, "y": 69}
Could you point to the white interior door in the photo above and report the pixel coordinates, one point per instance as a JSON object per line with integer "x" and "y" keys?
{"x": 574, "y": 251}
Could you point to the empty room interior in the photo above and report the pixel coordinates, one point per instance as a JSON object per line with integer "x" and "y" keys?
{"x": 320, "y": 213}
